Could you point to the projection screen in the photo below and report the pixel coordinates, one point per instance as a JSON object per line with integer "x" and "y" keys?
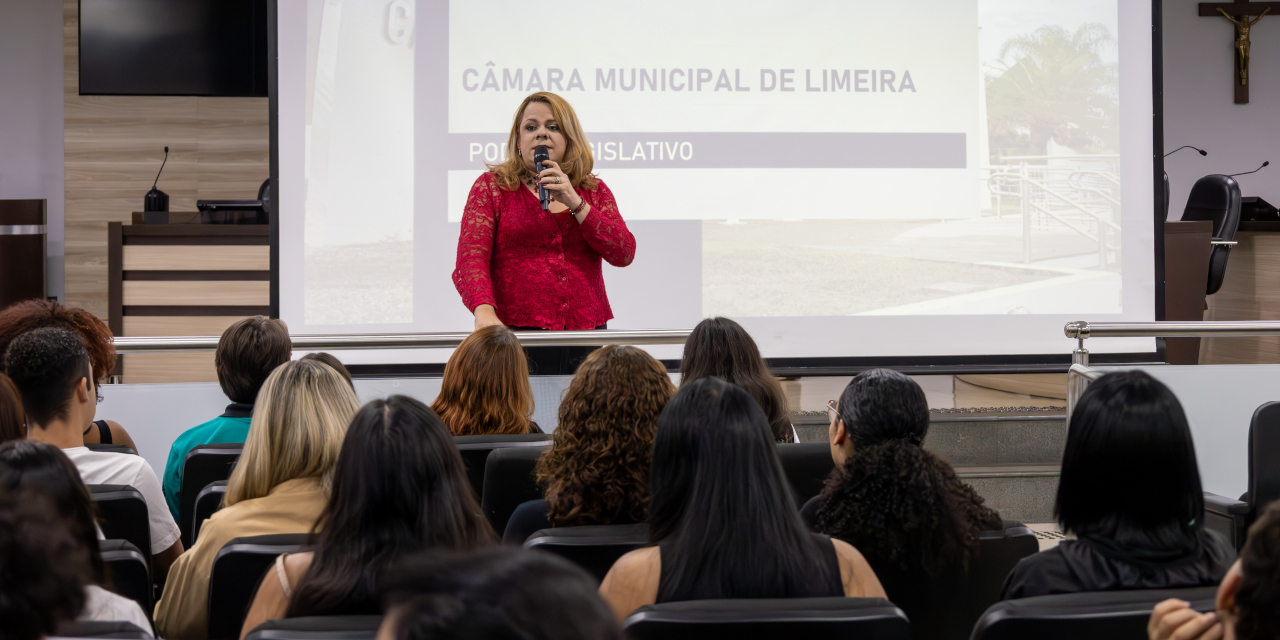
{"x": 845, "y": 178}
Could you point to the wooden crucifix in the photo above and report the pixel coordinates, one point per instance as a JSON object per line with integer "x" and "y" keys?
{"x": 1238, "y": 13}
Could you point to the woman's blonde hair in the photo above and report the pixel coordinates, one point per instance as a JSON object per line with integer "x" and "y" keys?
{"x": 486, "y": 389}
{"x": 299, "y": 421}
{"x": 576, "y": 162}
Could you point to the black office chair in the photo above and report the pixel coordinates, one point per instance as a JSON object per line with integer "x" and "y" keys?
{"x": 130, "y": 571}
{"x": 1232, "y": 518}
{"x": 1104, "y": 615}
{"x": 203, "y": 465}
{"x": 593, "y": 547}
{"x": 110, "y": 448}
{"x": 96, "y": 629}
{"x": 508, "y": 483}
{"x": 808, "y": 618}
{"x": 475, "y": 451}
{"x": 1216, "y": 198}
{"x": 807, "y": 465}
{"x": 318, "y": 628}
{"x": 123, "y": 515}
{"x": 1166, "y": 196}
{"x": 207, "y": 504}
{"x": 237, "y": 570}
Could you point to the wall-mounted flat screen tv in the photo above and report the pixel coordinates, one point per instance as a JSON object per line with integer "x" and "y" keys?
{"x": 173, "y": 47}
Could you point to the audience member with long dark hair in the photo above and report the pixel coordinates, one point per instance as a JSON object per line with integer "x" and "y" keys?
{"x": 41, "y": 468}
{"x": 280, "y": 484}
{"x": 1130, "y": 492}
{"x": 721, "y": 347}
{"x": 399, "y": 488}
{"x": 485, "y": 389}
{"x": 497, "y": 593}
{"x": 54, "y": 375}
{"x": 903, "y": 507}
{"x": 24, "y": 316}
{"x": 13, "y": 424}
{"x": 722, "y": 516}
{"x": 43, "y": 568}
{"x": 1248, "y": 602}
{"x": 597, "y": 469}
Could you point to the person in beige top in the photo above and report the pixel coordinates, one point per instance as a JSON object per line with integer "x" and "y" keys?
{"x": 280, "y": 484}
{"x": 722, "y": 516}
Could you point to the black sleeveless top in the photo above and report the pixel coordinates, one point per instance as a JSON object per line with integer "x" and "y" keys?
{"x": 819, "y": 586}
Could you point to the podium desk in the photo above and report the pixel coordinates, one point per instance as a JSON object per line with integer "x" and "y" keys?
{"x": 1250, "y": 291}
{"x": 184, "y": 280}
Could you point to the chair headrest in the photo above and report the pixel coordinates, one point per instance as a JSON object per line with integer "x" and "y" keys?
{"x": 1216, "y": 198}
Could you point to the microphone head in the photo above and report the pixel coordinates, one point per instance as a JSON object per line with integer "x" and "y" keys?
{"x": 166, "y": 149}
{"x": 1203, "y": 152}
{"x": 1265, "y": 164}
{"x": 540, "y": 154}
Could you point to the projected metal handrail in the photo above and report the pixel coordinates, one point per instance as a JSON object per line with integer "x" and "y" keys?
{"x": 415, "y": 340}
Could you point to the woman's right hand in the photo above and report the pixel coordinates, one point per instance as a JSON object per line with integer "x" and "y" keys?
{"x": 486, "y": 316}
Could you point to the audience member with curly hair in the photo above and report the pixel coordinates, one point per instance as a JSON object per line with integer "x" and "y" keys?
{"x": 24, "y": 316}
{"x": 43, "y": 568}
{"x": 1248, "y": 602}
{"x": 486, "y": 388}
{"x": 13, "y": 423}
{"x": 721, "y": 347}
{"x": 597, "y": 469}
{"x": 903, "y": 507}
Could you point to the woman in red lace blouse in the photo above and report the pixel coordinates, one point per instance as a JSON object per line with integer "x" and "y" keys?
{"x": 532, "y": 269}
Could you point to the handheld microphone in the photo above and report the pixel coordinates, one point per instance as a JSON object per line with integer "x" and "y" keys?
{"x": 540, "y": 155}
{"x": 157, "y": 200}
{"x": 1245, "y": 173}
{"x": 1187, "y": 146}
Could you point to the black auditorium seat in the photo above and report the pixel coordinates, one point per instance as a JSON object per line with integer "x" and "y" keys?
{"x": 1231, "y": 517}
{"x": 97, "y": 629}
{"x": 475, "y": 451}
{"x": 318, "y": 628}
{"x": 508, "y": 482}
{"x": 1105, "y": 615}
{"x": 593, "y": 547}
{"x": 808, "y": 618}
{"x": 129, "y": 571}
{"x": 204, "y": 464}
{"x": 206, "y": 504}
{"x": 807, "y": 465}
{"x": 111, "y": 448}
{"x": 237, "y": 570}
{"x": 123, "y": 515}
{"x": 945, "y": 607}
{"x": 1216, "y": 198}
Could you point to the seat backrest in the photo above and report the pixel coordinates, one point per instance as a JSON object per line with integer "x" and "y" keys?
{"x": 123, "y": 515}
{"x": 475, "y": 451}
{"x": 100, "y": 629}
{"x": 1097, "y": 616}
{"x": 593, "y": 547}
{"x": 204, "y": 464}
{"x": 237, "y": 570}
{"x": 1264, "y": 451}
{"x": 1216, "y": 198}
{"x": 318, "y": 628}
{"x": 1166, "y": 197}
{"x": 110, "y": 448}
{"x": 130, "y": 571}
{"x": 807, "y": 465}
{"x": 808, "y": 618}
{"x": 207, "y": 504}
{"x": 508, "y": 483}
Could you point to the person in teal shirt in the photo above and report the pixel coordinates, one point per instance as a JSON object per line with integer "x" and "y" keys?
{"x": 247, "y": 353}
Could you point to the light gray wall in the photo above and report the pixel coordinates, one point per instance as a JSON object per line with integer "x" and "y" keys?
{"x": 1199, "y": 107}
{"x": 31, "y": 115}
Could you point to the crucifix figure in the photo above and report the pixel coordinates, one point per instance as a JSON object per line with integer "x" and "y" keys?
{"x": 1242, "y": 40}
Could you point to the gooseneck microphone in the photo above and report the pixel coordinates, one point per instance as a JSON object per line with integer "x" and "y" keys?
{"x": 1187, "y": 146}
{"x": 540, "y": 156}
{"x": 1245, "y": 173}
{"x": 156, "y": 199}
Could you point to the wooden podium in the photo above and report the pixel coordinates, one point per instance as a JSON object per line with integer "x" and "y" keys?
{"x": 184, "y": 280}
{"x": 1250, "y": 291}
{"x": 1186, "y": 277}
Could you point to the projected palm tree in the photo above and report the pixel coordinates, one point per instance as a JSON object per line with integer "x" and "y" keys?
{"x": 1054, "y": 85}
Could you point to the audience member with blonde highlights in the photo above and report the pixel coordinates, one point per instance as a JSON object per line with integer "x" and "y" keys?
{"x": 486, "y": 386}
{"x": 280, "y": 484}
{"x": 597, "y": 470}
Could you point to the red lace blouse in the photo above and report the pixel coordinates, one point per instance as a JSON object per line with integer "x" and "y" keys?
{"x": 539, "y": 269}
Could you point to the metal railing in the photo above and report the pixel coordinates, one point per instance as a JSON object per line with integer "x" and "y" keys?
{"x": 415, "y": 340}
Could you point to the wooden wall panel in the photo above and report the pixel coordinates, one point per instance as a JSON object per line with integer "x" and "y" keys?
{"x": 113, "y": 146}
{"x": 197, "y": 293}
{"x": 196, "y": 258}
{"x": 194, "y": 366}
{"x": 177, "y": 325}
